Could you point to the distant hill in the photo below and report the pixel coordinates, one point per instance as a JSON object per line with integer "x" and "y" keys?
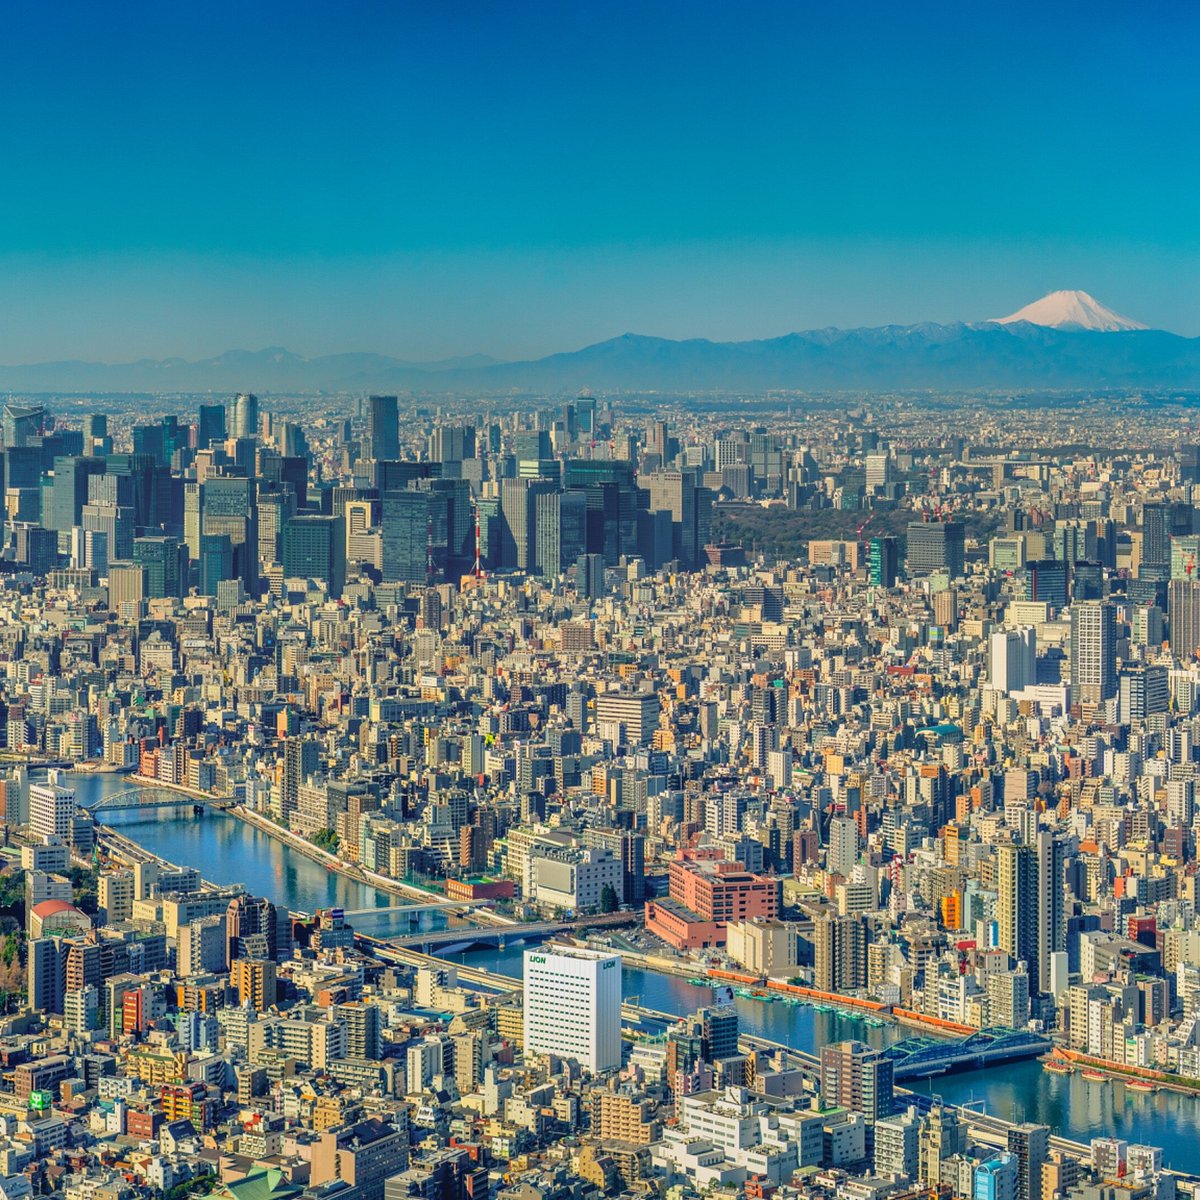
{"x": 1065, "y": 341}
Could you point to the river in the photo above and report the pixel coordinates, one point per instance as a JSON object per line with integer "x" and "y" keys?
{"x": 227, "y": 850}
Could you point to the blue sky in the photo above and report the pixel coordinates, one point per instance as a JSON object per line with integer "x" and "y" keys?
{"x": 428, "y": 179}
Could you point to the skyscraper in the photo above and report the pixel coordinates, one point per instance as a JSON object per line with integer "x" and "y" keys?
{"x": 1051, "y": 933}
{"x": 245, "y": 416}
{"x": 1093, "y": 652}
{"x": 383, "y": 427}
{"x": 1183, "y": 611}
{"x": 884, "y": 562}
{"x": 314, "y": 547}
{"x": 1016, "y": 901}
{"x": 935, "y": 546}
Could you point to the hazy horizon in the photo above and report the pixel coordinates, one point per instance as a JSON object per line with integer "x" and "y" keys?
{"x": 521, "y": 180}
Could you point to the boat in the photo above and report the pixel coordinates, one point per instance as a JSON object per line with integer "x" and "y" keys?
{"x": 1094, "y": 1076}
{"x": 1056, "y": 1066}
{"x": 696, "y": 981}
{"x": 875, "y": 1022}
{"x": 1141, "y": 1085}
{"x": 823, "y": 1007}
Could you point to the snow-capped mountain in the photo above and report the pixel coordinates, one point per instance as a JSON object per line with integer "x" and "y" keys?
{"x": 1071, "y": 310}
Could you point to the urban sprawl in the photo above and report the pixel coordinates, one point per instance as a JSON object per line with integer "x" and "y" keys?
{"x": 878, "y": 713}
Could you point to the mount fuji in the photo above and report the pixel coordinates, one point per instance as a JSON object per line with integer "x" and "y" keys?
{"x": 1071, "y": 310}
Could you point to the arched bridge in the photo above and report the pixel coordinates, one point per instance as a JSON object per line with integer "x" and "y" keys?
{"x": 144, "y": 796}
{"x": 917, "y": 1057}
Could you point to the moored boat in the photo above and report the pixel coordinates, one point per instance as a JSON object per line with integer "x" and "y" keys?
{"x": 1094, "y": 1076}
{"x": 1056, "y": 1066}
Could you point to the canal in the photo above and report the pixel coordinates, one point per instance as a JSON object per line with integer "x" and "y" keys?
{"x": 228, "y": 851}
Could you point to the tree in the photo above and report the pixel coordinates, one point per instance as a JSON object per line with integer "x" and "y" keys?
{"x": 608, "y": 899}
{"x": 326, "y": 839}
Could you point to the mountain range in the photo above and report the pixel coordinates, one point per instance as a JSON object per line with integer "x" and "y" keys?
{"x": 1065, "y": 341}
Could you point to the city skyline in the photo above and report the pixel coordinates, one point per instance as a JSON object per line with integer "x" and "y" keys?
{"x": 519, "y": 182}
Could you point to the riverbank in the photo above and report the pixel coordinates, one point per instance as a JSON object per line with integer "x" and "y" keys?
{"x": 1128, "y": 1074}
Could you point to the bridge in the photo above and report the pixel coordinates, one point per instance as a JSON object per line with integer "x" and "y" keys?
{"x": 920, "y": 1057}
{"x": 146, "y": 796}
{"x": 450, "y": 906}
{"x": 478, "y": 935}
{"x": 475, "y": 935}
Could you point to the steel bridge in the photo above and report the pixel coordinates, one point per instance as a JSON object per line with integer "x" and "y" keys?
{"x": 144, "y": 796}
{"x": 919, "y": 1057}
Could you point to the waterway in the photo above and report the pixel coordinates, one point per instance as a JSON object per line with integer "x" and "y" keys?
{"x": 227, "y": 850}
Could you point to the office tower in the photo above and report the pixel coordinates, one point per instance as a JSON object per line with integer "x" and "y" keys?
{"x": 452, "y": 443}
{"x": 35, "y": 548}
{"x": 95, "y": 429}
{"x": 690, "y": 507}
{"x": 531, "y": 445}
{"x": 589, "y": 576}
{"x": 1093, "y": 652}
{"x": 128, "y": 583}
{"x": 314, "y": 547}
{"x": 51, "y": 809}
{"x": 573, "y": 1006}
{"x": 560, "y": 523}
{"x": 162, "y": 558}
{"x": 383, "y": 427}
{"x": 884, "y": 562}
{"x": 1183, "y": 613}
{"x": 1029, "y": 1145}
{"x": 859, "y": 1078}
{"x": 202, "y": 947}
{"x": 1012, "y": 659}
{"x": 21, "y": 424}
{"x": 450, "y": 525}
{"x": 935, "y": 546}
{"x": 1051, "y": 933}
{"x": 114, "y": 521}
{"x": 518, "y": 522}
{"x": 1142, "y": 691}
{"x": 245, "y": 416}
{"x": 68, "y": 491}
{"x": 215, "y": 562}
{"x": 210, "y": 426}
{"x": 1047, "y": 579}
{"x": 1017, "y": 915}
{"x": 404, "y": 536}
{"x": 228, "y": 508}
{"x": 637, "y": 712}
{"x": 1156, "y": 537}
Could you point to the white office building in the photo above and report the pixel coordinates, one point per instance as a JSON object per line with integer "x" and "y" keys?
{"x": 51, "y": 809}
{"x": 573, "y": 1006}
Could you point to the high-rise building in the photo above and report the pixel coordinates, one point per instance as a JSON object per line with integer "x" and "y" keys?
{"x": 1156, "y": 538}
{"x": 1016, "y": 902}
{"x": 1012, "y": 659}
{"x": 254, "y": 981}
{"x": 364, "y": 1038}
{"x": 314, "y": 547}
{"x": 383, "y": 428}
{"x": 51, "y": 809}
{"x": 210, "y": 426}
{"x": 935, "y": 546}
{"x": 884, "y": 563}
{"x": 404, "y": 536}
{"x": 839, "y": 953}
{"x": 245, "y": 416}
{"x": 162, "y": 558}
{"x": 690, "y": 506}
{"x": 858, "y": 1077}
{"x": 1093, "y": 652}
{"x": 1051, "y": 934}
{"x": 589, "y": 576}
{"x": 1183, "y": 612}
{"x": 573, "y": 1006}
{"x": 1029, "y": 1144}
